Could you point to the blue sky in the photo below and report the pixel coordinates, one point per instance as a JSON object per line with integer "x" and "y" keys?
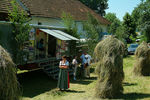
{"x": 120, "y": 7}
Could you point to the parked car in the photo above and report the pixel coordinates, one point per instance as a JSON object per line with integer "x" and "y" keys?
{"x": 132, "y": 48}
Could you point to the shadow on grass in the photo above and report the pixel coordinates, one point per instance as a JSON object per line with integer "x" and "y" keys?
{"x": 134, "y": 96}
{"x": 74, "y": 91}
{"x": 93, "y": 78}
{"x": 35, "y": 83}
{"x": 83, "y": 81}
{"x": 129, "y": 84}
{"x": 92, "y": 70}
{"x": 62, "y": 92}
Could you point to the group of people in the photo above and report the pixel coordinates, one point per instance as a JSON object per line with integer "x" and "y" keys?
{"x": 63, "y": 78}
{"x": 85, "y": 64}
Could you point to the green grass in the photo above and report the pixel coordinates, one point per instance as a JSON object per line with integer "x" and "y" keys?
{"x": 37, "y": 86}
{"x": 135, "y": 87}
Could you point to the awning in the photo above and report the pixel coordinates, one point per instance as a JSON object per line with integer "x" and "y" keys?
{"x": 59, "y": 34}
{"x": 65, "y": 34}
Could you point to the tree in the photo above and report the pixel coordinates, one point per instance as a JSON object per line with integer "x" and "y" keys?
{"x": 136, "y": 14}
{"x": 145, "y": 20}
{"x": 110, "y": 17}
{"x": 129, "y": 26}
{"x": 92, "y": 33}
{"x": 19, "y": 19}
{"x": 115, "y": 22}
{"x": 71, "y": 28}
{"x": 141, "y": 15}
{"x": 70, "y": 24}
{"x": 98, "y": 5}
{"x": 120, "y": 34}
{"x": 114, "y": 25}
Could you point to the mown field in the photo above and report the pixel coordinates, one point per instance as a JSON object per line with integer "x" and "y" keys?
{"x": 37, "y": 86}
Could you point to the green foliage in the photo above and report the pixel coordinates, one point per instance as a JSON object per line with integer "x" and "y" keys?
{"x": 110, "y": 17}
{"x": 71, "y": 28}
{"x": 20, "y": 29}
{"x": 116, "y": 28}
{"x": 92, "y": 33}
{"x": 145, "y": 20}
{"x": 114, "y": 25}
{"x": 115, "y": 22}
{"x": 129, "y": 25}
{"x": 141, "y": 15}
{"x": 142, "y": 38}
{"x": 120, "y": 34}
{"x": 98, "y": 5}
{"x": 70, "y": 24}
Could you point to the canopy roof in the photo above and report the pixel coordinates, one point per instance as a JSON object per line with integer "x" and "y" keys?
{"x": 59, "y": 34}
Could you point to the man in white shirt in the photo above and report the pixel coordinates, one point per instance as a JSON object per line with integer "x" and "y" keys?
{"x": 87, "y": 63}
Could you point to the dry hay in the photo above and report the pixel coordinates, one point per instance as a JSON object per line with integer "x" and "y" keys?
{"x": 9, "y": 89}
{"x": 142, "y": 64}
{"x": 109, "y": 53}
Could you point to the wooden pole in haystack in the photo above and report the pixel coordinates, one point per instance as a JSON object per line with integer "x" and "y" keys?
{"x": 142, "y": 64}
{"x": 109, "y": 53}
{"x": 9, "y": 89}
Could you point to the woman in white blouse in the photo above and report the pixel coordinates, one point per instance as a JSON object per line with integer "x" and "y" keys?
{"x": 63, "y": 79}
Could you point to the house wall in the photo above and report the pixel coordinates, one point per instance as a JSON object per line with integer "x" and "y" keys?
{"x": 59, "y": 23}
{"x": 47, "y": 21}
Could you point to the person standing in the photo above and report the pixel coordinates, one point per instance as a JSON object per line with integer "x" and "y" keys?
{"x": 87, "y": 66}
{"x": 63, "y": 78}
{"x": 40, "y": 47}
{"x": 75, "y": 65}
{"x": 82, "y": 57}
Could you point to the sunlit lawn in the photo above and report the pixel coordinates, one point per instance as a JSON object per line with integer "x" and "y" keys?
{"x": 37, "y": 86}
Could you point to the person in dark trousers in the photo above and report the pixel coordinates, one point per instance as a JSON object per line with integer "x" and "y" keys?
{"x": 82, "y": 57}
{"x": 75, "y": 65}
{"x": 63, "y": 78}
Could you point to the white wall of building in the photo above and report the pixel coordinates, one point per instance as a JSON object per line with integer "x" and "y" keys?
{"x": 47, "y": 21}
{"x": 59, "y": 23}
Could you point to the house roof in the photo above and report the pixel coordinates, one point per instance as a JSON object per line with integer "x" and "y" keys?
{"x": 55, "y": 8}
{"x": 4, "y": 5}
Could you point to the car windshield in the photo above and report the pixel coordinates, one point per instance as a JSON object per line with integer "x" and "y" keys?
{"x": 133, "y": 45}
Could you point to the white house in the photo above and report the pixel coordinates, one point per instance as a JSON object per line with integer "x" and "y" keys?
{"x": 47, "y": 14}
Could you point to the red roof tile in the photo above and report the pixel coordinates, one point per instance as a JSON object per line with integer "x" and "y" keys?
{"x": 55, "y": 8}
{"x": 4, "y": 5}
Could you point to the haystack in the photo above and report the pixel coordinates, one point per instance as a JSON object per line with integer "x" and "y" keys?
{"x": 9, "y": 89}
{"x": 142, "y": 64}
{"x": 109, "y": 53}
